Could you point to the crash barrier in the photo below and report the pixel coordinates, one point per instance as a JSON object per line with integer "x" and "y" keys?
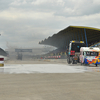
{"x": 53, "y": 57}
{"x": 1, "y": 62}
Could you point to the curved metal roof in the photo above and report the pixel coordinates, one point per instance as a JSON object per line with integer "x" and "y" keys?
{"x": 63, "y": 37}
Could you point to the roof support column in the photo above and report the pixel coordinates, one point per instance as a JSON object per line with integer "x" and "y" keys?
{"x": 85, "y": 37}
{"x": 82, "y": 35}
{"x": 73, "y": 37}
{"x": 70, "y": 38}
{"x": 76, "y": 35}
{"x": 79, "y": 35}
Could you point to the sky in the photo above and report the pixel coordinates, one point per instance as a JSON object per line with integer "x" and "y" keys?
{"x": 23, "y": 23}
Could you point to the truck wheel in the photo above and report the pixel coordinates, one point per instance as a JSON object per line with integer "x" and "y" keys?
{"x": 96, "y": 65}
{"x": 73, "y": 62}
{"x": 68, "y": 60}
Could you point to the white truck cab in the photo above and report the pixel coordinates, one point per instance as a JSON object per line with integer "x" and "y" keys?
{"x": 90, "y": 55}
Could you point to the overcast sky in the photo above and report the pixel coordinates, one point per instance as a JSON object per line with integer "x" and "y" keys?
{"x": 23, "y": 23}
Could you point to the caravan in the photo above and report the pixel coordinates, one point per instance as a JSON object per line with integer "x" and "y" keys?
{"x": 90, "y": 55}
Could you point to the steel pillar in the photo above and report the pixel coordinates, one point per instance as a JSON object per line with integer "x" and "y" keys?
{"x": 85, "y": 37}
{"x": 82, "y": 35}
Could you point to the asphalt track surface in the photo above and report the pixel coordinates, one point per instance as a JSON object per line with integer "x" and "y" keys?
{"x": 50, "y": 86}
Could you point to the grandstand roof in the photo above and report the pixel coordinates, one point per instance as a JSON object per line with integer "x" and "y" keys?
{"x": 63, "y": 37}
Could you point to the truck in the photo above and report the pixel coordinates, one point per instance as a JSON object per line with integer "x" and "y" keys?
{"x": 89, "y": 55}
{"x": 74, "y": 51}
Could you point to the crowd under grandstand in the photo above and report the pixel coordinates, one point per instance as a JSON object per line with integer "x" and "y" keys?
{"x": 61, "y": 40}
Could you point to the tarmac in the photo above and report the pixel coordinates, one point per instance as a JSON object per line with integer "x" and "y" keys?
{"x": 49, "y": 86}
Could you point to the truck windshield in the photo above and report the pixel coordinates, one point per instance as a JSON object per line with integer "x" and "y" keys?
{"x": 76, "y": 46}
{"x": 91, "y": 53}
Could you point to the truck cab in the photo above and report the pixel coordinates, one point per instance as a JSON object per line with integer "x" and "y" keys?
{"x": 90, "y": 55}
{"x": 74, "y": 47}
{"x": 74, "y": 51}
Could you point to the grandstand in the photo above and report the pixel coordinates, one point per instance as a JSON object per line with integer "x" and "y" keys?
{"x": 61, "y": 39}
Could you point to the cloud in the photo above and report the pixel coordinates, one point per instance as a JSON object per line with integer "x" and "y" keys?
{"x": 79, "y": 8}
{"x": 50, "y": 2}
{"x": 4, "y": 4}
{"x": 26, "y": 22}
{"x": 13, "y": 14}
{"x": 24, "y": 32}
{"x": 18, "y": 2}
